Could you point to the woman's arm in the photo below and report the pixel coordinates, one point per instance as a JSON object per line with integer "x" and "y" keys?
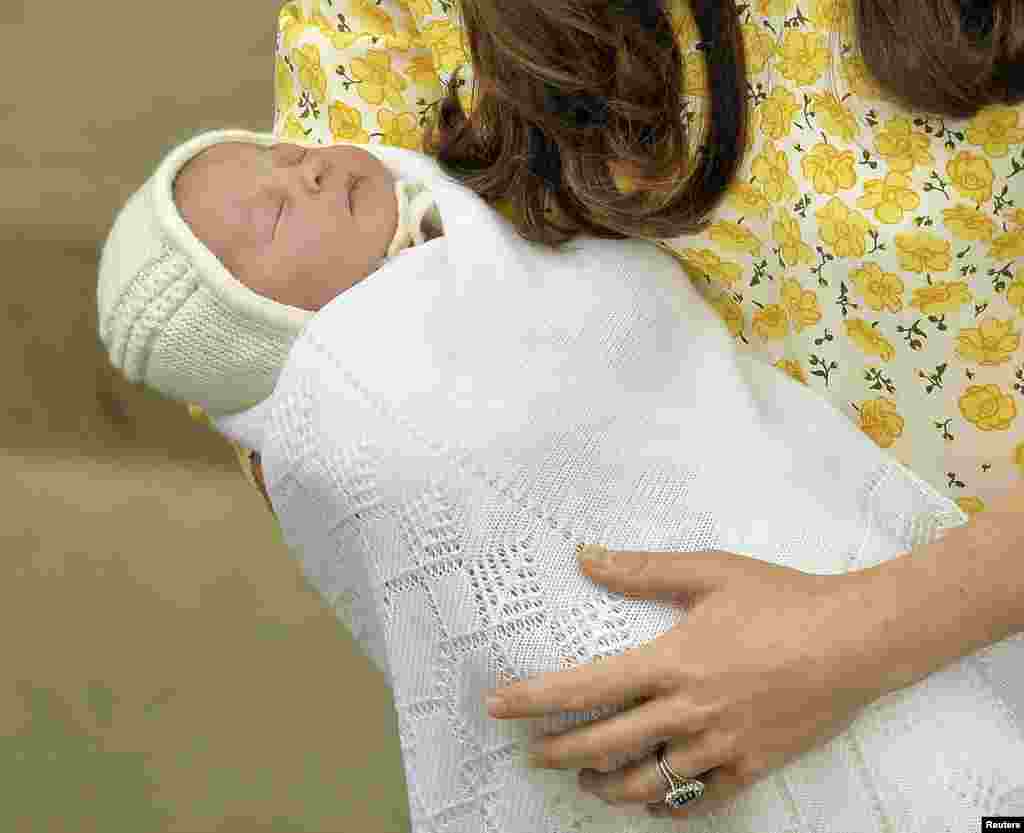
{"x": 948, "y": 599}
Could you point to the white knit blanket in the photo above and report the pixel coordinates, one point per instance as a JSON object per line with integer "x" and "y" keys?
{"x": 446, "y": 431}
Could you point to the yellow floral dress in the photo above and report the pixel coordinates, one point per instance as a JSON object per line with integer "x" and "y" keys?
{"x": 872, "y": 253}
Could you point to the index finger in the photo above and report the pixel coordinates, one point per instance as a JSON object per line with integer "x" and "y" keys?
{"x": 611, "y": 680}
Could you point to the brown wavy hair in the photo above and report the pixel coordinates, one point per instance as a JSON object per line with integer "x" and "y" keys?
{"x": 948, "y": 57}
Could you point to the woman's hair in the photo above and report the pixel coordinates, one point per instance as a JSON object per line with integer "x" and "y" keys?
{"x": 949, "y": 57}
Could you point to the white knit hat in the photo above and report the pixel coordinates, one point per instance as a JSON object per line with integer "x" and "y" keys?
{"x": 173, "y": 317}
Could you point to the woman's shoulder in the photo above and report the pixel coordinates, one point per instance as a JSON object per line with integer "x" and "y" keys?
{"x": 818, "y": 117}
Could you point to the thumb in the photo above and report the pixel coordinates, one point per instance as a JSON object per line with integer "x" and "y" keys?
{"x": 682, "y": 575}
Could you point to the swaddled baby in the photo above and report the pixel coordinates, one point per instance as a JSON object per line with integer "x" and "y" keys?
{"x": 452, "y": 422}
{"x": 215, "y": 265}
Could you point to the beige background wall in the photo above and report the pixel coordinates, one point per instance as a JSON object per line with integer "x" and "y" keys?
{"x": 166, "y": 667}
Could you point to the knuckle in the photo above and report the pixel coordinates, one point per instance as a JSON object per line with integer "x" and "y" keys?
{"x": 639, "y": 791}
{"x": 669, "y": 682}
{"x": 748, "y": 769}
{"x": 680, "y": 674}
{"x": 577, "y": 703}
{"x": 628, "y": 791}
{"x": 724, "y": 744}
{"x": 670, "y": 722}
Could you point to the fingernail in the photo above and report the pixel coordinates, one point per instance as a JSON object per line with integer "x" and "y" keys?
{"x": 495, "y": 706}
{"x": 594, "y": 556}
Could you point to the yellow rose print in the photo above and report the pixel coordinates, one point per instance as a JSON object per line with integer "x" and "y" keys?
{"x": 683, "y": 23}
{"x": 834, "y": 117}
{"x": 770, "y": 323}
{"x": 372, "y": 20}
{"x": 734, "y": 237}
{"x": 400, "y": 130}
{"x": 941, "y": 298}
{"x": 800, "y": 304}
{"x": 776, "y": 113}
{"x": 842, "y": 228}
{"x": 771, "y": 172}
{"x": 902, "y": 147}
{"x": 347, "y": 124}
{"x": 987, "y": 408}
{"x": 971, "y": 505}
{"x": 992, "y": 342}
{"x": 868, "y": 339}
{"x": 880, "y": 290}
{"x": 831, "y": 15}
{"x": 802, "y": 57}
{"x": 889, "y": 197}
{"x": 859, "y": 79}
{"x": 730, "y": 312}
{"x": 747, "y": 199}
{"x": 1015, "y": 291}
{"x": 794, "y": 251}
{"x": 923, "y": 252}
{"x": 995, "y": 129}
{"x": 709, "y": 263}
{"x": 695, "y": 75}
{"x": 972, "y": 176}
{"x": 446, "y": 43}
{"x": 967, "y": 223}
{"x": 829, "y": 169}
{"x": 1009, "y": 245}
{"x": 792, "y": 369}
{"x": 880, "y": 421}
{"x": 311, "y": 74}
{"x": 377, "y": 82}
{"x": 758, "y": 46}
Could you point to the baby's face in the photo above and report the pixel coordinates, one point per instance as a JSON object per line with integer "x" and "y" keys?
{"x": 299, "y": 225}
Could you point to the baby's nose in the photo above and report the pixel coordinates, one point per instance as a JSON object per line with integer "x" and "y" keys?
{"x": 314, "y": 172}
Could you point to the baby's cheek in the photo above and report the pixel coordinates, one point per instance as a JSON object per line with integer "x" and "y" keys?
{"x": 274, "y": 281}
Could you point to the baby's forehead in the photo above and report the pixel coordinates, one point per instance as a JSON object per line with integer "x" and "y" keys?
{"x": 219, "y": 156}
{"x": 232, "y": 150}
{"x": 215, "y": 169}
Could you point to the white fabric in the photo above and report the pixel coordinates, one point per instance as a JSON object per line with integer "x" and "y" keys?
{"x": 443, "y": 435}
{"x": 174, "y": 318}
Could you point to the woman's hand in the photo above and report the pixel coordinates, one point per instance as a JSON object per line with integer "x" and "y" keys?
{"x": 768, "y": 663}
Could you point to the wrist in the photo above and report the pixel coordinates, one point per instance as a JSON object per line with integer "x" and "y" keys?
{"x": 888, "y": 657}
{"x": 940, "y": 601}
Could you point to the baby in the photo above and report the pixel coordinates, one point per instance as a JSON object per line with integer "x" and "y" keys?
{"x": 216, "y": 264}
{"x": 438, "y": 438}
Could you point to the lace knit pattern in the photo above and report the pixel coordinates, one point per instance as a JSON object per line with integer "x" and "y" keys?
{"x": 454, "y": 578}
